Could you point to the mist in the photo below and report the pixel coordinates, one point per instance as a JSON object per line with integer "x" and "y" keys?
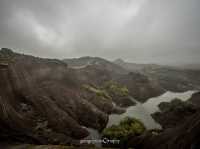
{"x": 142, "y": 31}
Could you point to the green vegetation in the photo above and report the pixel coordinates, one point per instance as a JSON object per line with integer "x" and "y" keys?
{"x": 129, "y": 127}
{"x": 6, "y": 57}
{"x": 110, "y": 91}
{"x": 99, "y": 92}
{"x": 116, "y": 89}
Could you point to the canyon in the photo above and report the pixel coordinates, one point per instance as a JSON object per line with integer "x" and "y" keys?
{"x": 51, "y": 101}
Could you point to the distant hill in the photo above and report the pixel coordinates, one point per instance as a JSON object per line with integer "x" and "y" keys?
{"x": 194, "y": 66}
{"x": 83, "y": 62}
{"x": 135, "y": 67}
{"x": 172, "y": 78}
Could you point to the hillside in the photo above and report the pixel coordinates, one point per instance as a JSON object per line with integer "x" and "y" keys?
{"x": 169, "y": 78}
{"x": 48, "y": 101}
{"x": 44, "y": 101}
{"x": 87, "y": 61}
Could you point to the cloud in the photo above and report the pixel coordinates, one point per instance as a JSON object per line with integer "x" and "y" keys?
{"x": 147, "y": 31}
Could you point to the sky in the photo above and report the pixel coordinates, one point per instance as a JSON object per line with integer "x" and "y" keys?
{"x": 142, "y": 31}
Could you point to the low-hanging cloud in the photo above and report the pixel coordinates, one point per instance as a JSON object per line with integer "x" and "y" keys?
{"x": 147, "y": 31}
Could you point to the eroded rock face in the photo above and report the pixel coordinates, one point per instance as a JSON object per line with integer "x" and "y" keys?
{"x": 41, "y": 102}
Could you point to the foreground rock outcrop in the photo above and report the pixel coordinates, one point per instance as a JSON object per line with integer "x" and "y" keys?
{"x": 44, "y": 101}
{"x": 41, "y": 101}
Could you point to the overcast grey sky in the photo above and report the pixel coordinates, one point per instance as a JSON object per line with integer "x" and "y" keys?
{"x": 154, "y": 31}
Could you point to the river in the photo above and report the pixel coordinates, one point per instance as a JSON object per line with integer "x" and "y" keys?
{"x": 143, "y": 111}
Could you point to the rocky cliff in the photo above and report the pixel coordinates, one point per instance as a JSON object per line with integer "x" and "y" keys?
{"x": 45, "y": 101}
{"x": 41, "y": 101}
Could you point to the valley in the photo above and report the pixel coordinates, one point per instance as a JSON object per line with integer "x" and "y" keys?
{"x": 51, "y": 101}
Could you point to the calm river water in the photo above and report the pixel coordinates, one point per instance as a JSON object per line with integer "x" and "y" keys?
{"x": 143, "y": 111}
